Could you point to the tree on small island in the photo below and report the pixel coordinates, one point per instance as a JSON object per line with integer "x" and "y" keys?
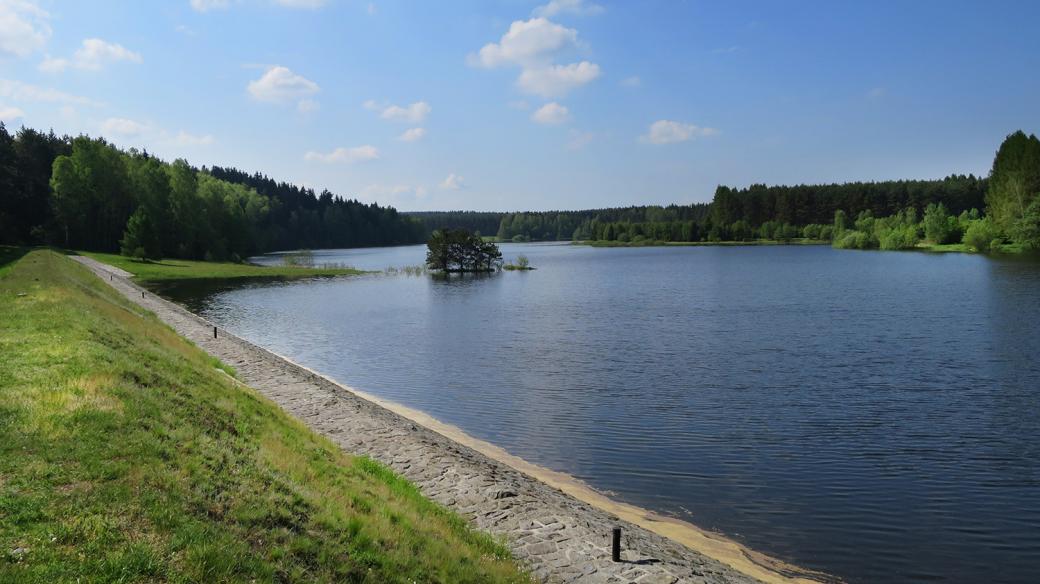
{"x": 522, "y": 263}
{"x": 459, "y": 250}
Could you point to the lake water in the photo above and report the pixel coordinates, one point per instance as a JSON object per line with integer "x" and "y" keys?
{"x": 875, "y": 415}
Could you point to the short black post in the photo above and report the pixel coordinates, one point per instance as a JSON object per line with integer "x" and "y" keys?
{"x": 615, "y": 545}
{"x": 214, "y": 332}
{"x": 142, "y": 294}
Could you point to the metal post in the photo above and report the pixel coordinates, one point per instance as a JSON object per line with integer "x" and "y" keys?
{"x": 615, "y": 546}
{"x": 214, "y": 332}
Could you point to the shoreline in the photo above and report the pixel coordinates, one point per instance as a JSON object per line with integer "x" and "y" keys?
{"x": 714, "y": 545}
{"x": 554, "y": 522}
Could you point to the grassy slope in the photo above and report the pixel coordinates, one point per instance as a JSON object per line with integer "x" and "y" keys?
{"x": 171, "y": 269}
{"x": 8, "y": 256}
{"x": 126, "y": 455}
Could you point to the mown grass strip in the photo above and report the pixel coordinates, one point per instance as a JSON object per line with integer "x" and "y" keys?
{"x": 126, "y": 456}
{"x": 174, "y": 269}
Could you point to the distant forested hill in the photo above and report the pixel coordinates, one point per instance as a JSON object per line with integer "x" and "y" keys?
{"x": 84, "y": 193}
{"x": 486, "y": 222}
{"x": 741, "y": 213}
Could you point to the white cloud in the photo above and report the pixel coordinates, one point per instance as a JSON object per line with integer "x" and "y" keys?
{"x": 579, "y": 7}
{"x": 185, "y": 139}
{"x": 414, "y": 113}
{"x": 527, "y": 43}
{"x": 371, "y": 9}
{"x": 726, "y": 50}
{"x": 19, "y": 91}
{"x": 580, "y": 140}
{"x": 345, "y": 155}
{"x": 876, "y": 93}
{"x": 24, "y": 27}
{"x": 309, "y": 4}
{"x": 670, "y": 132}
{"x": 551, "y": 113}
{"x": 519, "y": 105}
{"x": 557, "y": 80}
{"x": 92, "y": 56}
{"x": 9, "y": 113}
{"x": 453, "y": 182}
{"x": 207, "y": 5}
{"x": 412, "y": 135}
{"x": 123, "y": 127}
{"x": 280, "y": 85}
{"x": 633, "y": 81}
{"x": 533, "y": 45}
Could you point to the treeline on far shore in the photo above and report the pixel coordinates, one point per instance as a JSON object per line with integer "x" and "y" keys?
{"x": 84, "y": 193}
{"x": 1001, "y": 211}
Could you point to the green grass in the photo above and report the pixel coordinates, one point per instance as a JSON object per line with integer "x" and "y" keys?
{"x": 945, "y": 247}
{"x": 126, "y": 456}
{"x": 8, "y": 255}
{"x": 170, "y": 269}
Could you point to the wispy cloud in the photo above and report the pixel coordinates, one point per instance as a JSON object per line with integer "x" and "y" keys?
{"x": 24, "y": 27}
{"x": 578, "y": 7}
{"x": 207, "y": 5}
{"x": 93, "y": 55}
{"x": 580, "y": 140}
{"x": 345, "y": 155}
{"x": 453, "y": 182}
{"x": 670, "y": 132}
{"x": 19, "y": 91}
{"x": 412, "y": 135}
{"x": 414, "y": 113}
{"x": 10, "y": 113}
{"x": 552, "y": 114}
{"x": 280, "y": 85}
{"x": 557, "y": 80}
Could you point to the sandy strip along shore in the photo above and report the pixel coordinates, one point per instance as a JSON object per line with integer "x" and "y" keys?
{"x": 558, "y": 526}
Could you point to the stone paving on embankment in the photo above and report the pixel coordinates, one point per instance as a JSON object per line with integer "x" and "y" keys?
{"x": 559, "y": 538}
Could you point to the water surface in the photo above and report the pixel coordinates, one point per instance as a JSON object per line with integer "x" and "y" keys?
{"x": 874, "y": 415}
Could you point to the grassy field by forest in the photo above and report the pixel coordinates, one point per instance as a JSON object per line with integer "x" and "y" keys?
{"x": 174, "y": 269}
{"x": 127, "y": 454}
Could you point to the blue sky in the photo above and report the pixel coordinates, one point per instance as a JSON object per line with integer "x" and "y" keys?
{"x": 544, "y": 104}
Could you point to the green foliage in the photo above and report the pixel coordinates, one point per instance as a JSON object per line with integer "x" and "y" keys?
{"x": 1014, "y": 181}
{"x": 980, "y": 234}
{"x": 141, "y": 239}
{"x": 939, "y": 226}
{"x": 126, "y": 456}
{"x": 1026, "y": 229}
{"x": 840, "y": 222}
{"x": 80, "y": 193}
{"x": 459, "y": 250}
{"x": 522, "y": 264}
{"x": 899, "y": 231}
